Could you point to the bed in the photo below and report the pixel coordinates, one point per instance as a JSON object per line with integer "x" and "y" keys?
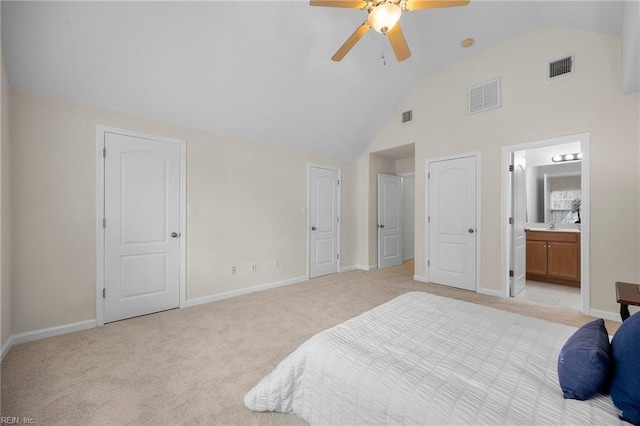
{"x": 425, "y": 359}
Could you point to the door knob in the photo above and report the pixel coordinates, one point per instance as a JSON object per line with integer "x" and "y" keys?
{"x": 313, "y": 228}
{"x": 471, "y": 230}
{"x": 381, "y": 226}
{"x": 175, "y": 235}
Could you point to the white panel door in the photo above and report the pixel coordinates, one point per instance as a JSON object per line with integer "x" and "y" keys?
{"x": 142, "y": 212}
{"x": 452, "y": 222}
{"x": 519, "y": 213}
{"x": 323, "y": 221}
{"x": 408, "y": 216}
{"x": 389, "y": 221}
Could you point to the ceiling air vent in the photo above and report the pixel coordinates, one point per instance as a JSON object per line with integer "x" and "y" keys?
{"x": 484, "y": 96}
{"x": 562, "y": 66}
{"x": 407, "y": 116}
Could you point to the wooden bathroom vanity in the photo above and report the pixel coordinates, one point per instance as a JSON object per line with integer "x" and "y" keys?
{"x": 554, "y": 257}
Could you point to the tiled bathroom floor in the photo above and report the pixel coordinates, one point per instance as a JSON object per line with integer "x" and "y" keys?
{"x": 551, "y": 294}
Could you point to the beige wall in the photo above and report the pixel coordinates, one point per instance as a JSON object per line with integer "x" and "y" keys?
{"x": 405, "y": 165}
{"x": 230, "y": 181}
{"x": 5, "y": 210}
{"x": 534, "y": 108}
{"x": 249, "y": 199}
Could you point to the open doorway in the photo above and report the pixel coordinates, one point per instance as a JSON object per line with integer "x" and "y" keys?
{"x": 398, "y": 162}
{"x": 545, "y": 209}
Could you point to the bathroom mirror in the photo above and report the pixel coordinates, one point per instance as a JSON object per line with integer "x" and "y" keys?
{"x": 553, "y": 189}
{"x": 562, "y": 198}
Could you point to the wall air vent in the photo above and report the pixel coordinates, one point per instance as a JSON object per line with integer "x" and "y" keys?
{"x": 484, "y": 96}
{"x": 407, "y": 116}
{"x": 559, "y": 67}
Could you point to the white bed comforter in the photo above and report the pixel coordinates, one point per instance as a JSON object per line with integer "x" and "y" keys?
{"x": 424, "y": 359}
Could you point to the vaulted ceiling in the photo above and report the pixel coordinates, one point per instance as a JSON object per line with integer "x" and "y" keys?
{"x": 259, "y": 70}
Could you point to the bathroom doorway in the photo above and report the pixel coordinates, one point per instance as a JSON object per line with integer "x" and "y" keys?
{"x": 553, "y": 215}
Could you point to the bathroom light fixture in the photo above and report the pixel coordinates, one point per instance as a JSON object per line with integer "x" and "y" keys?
{"x": 566, "y": 157}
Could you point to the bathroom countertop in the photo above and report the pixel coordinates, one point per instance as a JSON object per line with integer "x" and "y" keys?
{"x": 552, "y": 230}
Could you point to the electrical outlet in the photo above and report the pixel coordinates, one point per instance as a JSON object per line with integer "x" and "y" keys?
{"x": 233, "y": 269}
{"x": 252, "y": 268}
{"x": 276, "y": 263}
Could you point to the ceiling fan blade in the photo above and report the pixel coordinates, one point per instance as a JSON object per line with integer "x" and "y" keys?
{"x": 351, "y": 41}
{"x": 398, "y": 43}
{"x": 351, "y": 4}
{"x": 433, "y": 4}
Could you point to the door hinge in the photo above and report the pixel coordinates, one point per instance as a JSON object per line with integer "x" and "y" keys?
{"x": 510, "y": 167}
{"x": 338, "y": 256}
{"x": 104, "y": 293}
{"x": 338, "y": 182}
{"x": 104, "y": 152}
{"x": 428, "y": 219}
{"x": 428, "y": 263}
{"x": 510, "y": 273}
{"x": 510, "y": 221}
{"x": 338, "y": 219}
{"x": 104, "y": 222}
{"x": 429, "y": 175}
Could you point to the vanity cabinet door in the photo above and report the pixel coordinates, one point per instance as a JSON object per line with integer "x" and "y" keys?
{"x": 537, "y": 257}
{"x": 554, "y": 257}
{"x": 563, "y": 260}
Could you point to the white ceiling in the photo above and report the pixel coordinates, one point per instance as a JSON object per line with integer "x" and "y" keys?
{"x": 258, "y": 70}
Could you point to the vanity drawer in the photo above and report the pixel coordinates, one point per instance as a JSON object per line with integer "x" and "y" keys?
{"x": 559, "y": 236}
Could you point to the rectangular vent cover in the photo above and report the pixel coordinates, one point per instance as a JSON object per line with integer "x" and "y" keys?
{"x": 560, "y": 67}
{"x": 407, "y": 116}
{"x": 484, "y": 96}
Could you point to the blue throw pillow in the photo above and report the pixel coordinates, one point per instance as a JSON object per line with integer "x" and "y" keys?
{"x": 584, "y": 364}
{"x": 625, "y": 383}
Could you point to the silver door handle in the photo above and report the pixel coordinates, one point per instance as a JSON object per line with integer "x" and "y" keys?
{"x": 313, "y": 228}
{"x": 471, "y": 230}
{"x": 176, "y": 235}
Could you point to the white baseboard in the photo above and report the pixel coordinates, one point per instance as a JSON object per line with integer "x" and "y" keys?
{"x": 30, "y": 336}
{"x": 605, "y": 315}
{"x": 490, "y": 292}
{"x": 349, "y": 268}
{"x": 407, "y": 258}
{"x": 5, "y": 348}
{"x": 242, "y": 291}
{"x": 367, "y": 268}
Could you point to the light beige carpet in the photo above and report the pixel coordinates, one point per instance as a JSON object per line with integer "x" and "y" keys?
{"x": 195, "y": 365}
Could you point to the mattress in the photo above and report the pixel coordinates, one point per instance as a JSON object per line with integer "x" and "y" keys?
{"x": 425, "y": 359}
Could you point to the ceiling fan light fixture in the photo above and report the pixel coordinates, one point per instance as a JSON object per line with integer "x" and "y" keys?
{"x": 384, "y": 16}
